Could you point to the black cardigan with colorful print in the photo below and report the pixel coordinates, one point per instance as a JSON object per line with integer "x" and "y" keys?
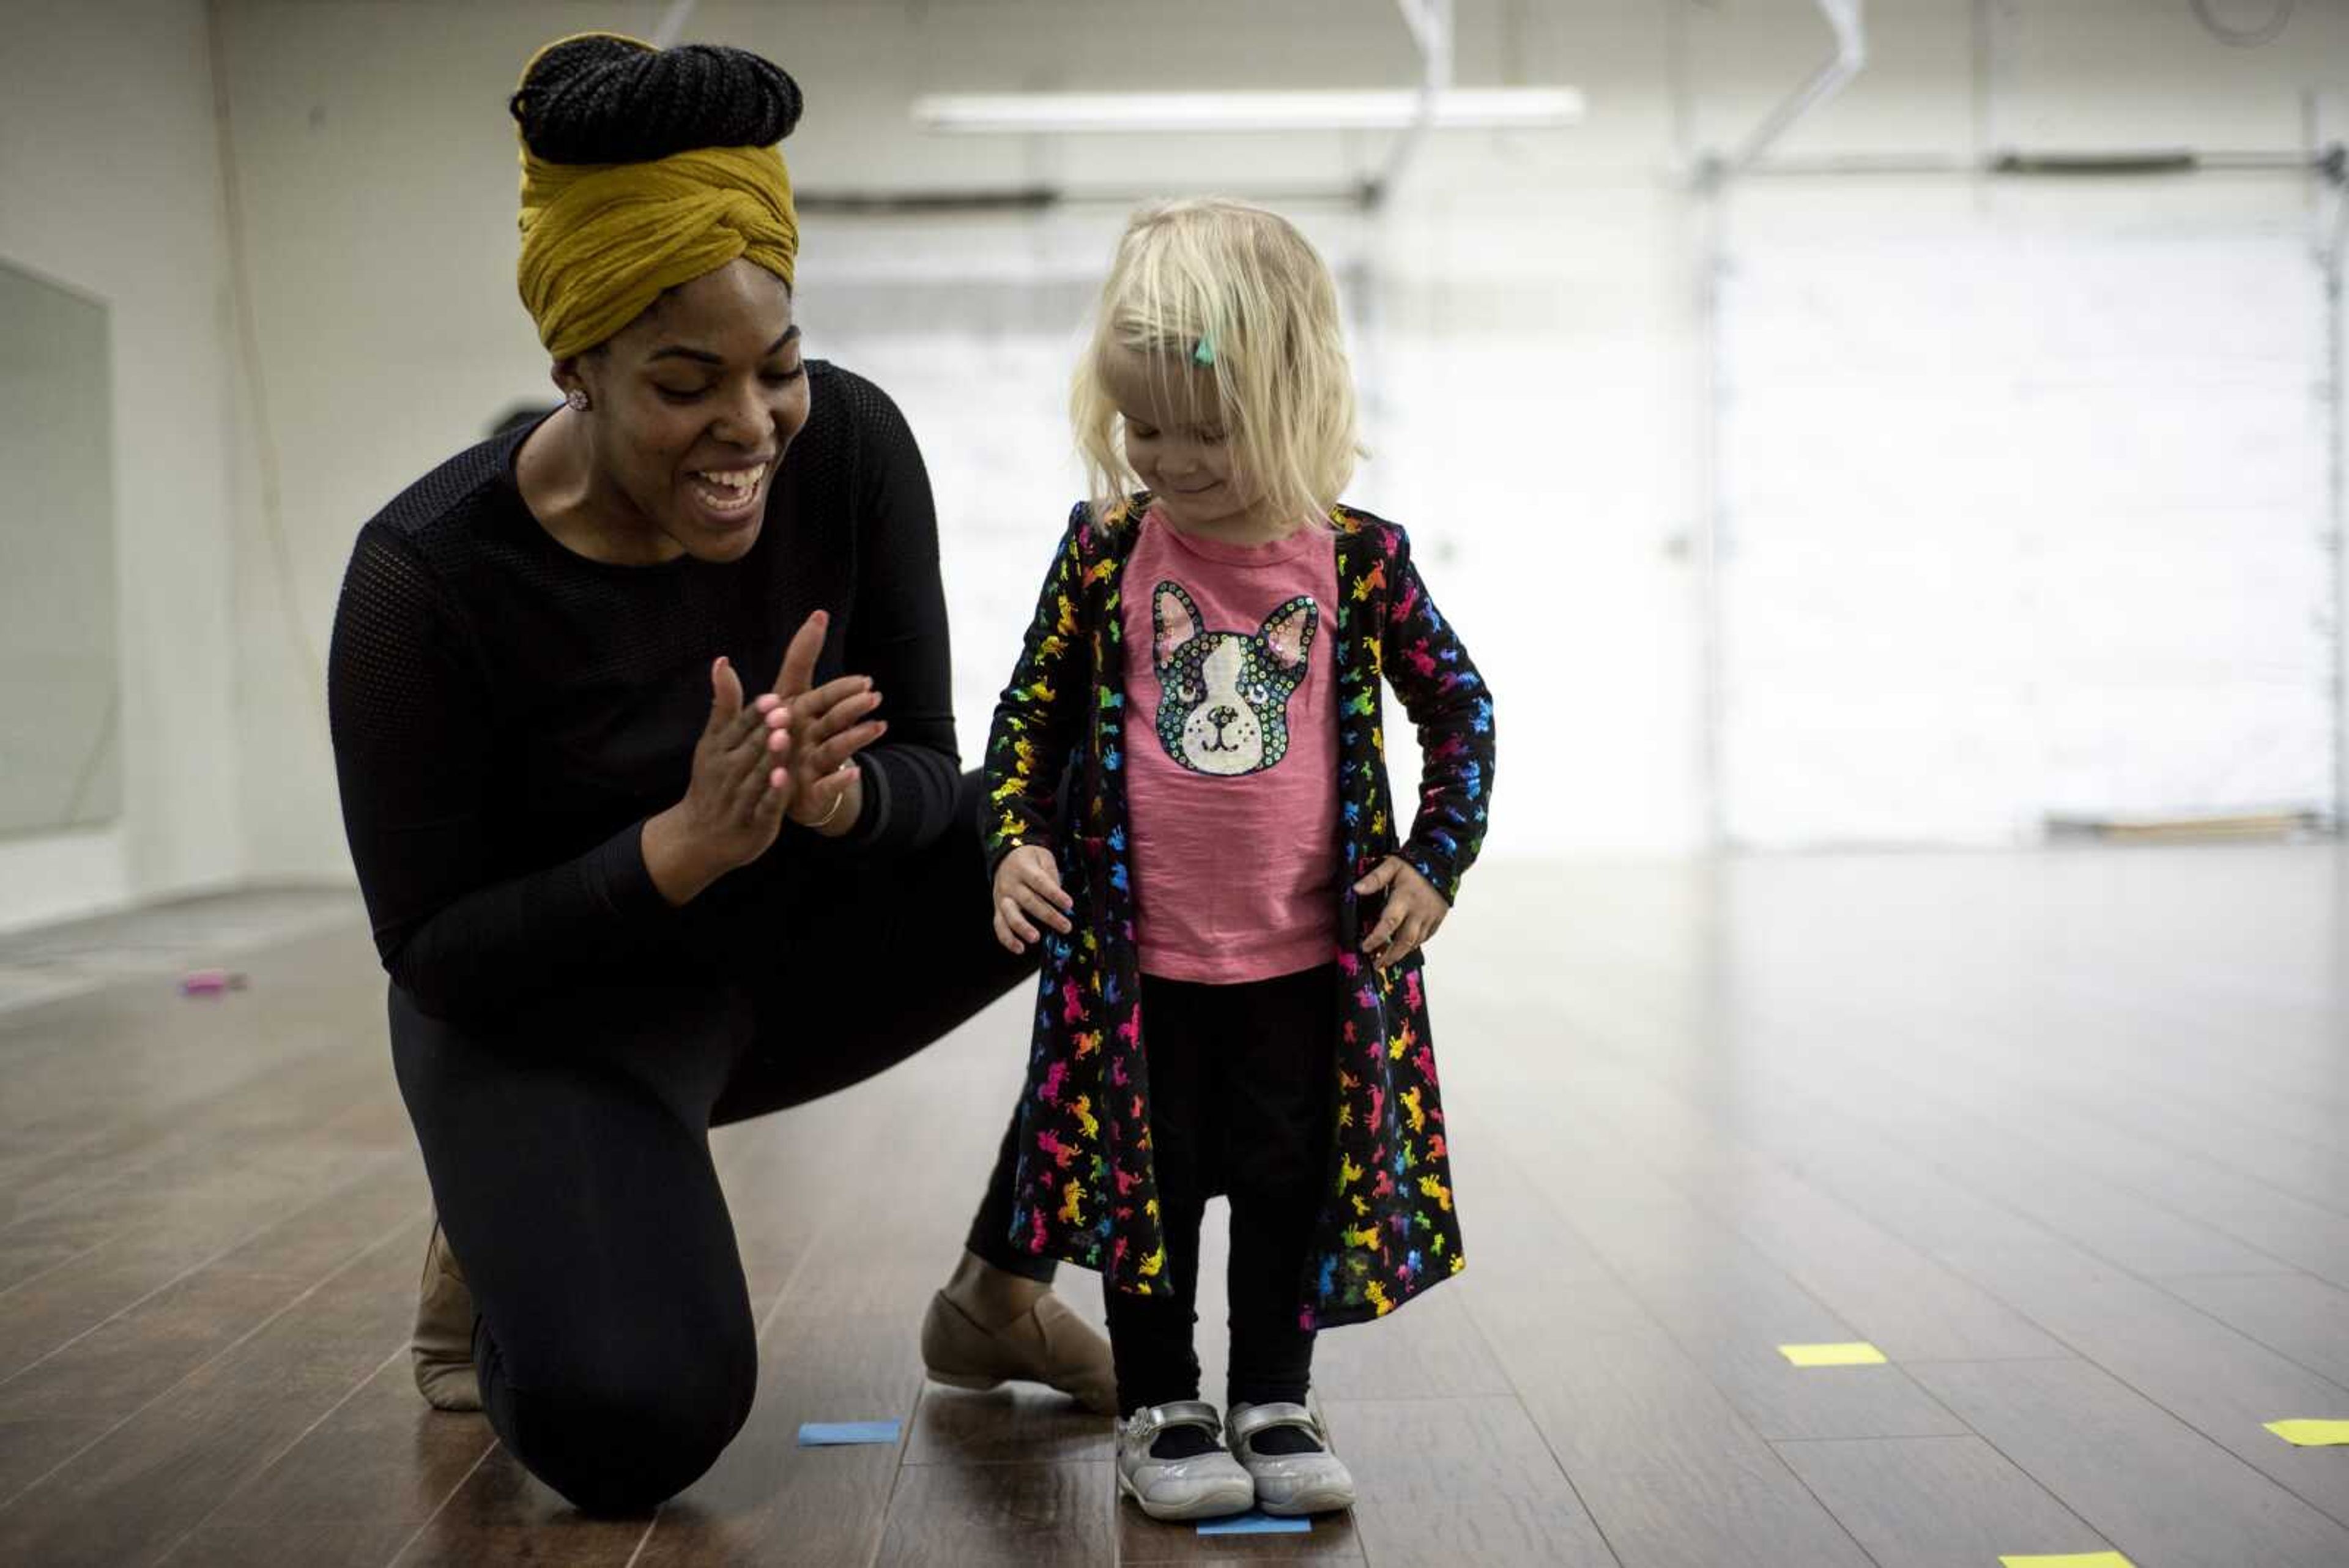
{"x": 1087, "y": 1192}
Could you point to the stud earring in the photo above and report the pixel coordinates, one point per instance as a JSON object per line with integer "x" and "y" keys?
{"x": 578, "y": 399}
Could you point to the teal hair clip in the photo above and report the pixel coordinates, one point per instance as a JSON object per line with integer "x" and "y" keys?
{"x": 1204, "y": 354}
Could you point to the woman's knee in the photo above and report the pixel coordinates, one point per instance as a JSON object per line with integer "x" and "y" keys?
{"x": 619, "y": 1435}
{"x": 624, "y": 1446}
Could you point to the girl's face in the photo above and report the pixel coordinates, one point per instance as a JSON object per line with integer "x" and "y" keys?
{"x": 693, "y": 405}
{"x": 1175, "y": 437}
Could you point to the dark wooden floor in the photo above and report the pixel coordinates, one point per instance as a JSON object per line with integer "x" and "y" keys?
{"x": 2066, "y": 1136}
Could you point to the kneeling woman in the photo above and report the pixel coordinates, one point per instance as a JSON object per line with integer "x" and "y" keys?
{"x": 642, "y": 720}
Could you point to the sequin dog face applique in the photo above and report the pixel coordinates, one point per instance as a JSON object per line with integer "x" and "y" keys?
{"x": 1223, "y": 702}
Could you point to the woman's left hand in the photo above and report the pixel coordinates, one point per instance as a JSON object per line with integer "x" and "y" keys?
{"x": 1414, "y": 910}
{"x": 829, "y": 725}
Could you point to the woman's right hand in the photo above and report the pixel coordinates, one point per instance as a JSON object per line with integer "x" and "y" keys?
{"x": 734, "y": 806}
{"x": 1027, "y": 892}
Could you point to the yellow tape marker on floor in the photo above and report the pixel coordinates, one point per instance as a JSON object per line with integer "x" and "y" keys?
{"x": 1860, "y": 1354}
{"x": 2070, "y": 1560}
{"x": 2312, "y": 1434}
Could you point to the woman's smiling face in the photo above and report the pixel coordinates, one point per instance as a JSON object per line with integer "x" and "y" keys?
{"x": 694, "y": 404}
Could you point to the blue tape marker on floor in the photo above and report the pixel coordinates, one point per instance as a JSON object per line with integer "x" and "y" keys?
{"x": 828, "y": 1433}
{"x": 1256, "y": 1524}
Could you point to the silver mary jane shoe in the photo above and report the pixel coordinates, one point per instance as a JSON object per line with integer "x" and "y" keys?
{"x": 1291, "y": 1484}
{"x": 1205, "y": 1486}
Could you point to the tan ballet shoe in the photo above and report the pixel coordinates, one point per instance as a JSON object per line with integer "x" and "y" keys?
{"x": 1040, "y": 1341}
{"x": 442, "y": 1343}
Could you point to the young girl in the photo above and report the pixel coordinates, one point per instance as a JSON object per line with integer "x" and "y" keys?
{"x": 1231, "y": 998}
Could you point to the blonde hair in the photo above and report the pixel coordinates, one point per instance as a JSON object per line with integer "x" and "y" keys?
{"x": 1245, "y": 284}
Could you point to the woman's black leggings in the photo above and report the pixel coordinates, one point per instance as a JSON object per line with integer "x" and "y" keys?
{"x": 569, "y": 1156}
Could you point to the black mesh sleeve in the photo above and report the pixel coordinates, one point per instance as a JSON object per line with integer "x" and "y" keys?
{"x": 898, "y": 634}
{"x": 410, "y": 718}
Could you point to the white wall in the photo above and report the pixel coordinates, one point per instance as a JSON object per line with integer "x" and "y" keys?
{"x": 2112, "y": 602}
{"x": 109, "y": 183}
{"x": 1530, "y": 333}
{"x": 2159, "y": 637}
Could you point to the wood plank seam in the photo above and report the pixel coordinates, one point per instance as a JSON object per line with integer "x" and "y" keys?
{"x": 341, "y": 1269}
{"x": 235, "y": 1245}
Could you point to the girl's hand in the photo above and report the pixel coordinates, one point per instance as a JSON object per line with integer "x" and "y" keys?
{"x": 829, "y": 726}
{"x": 1414, "y": 910}
{"x": 1027, "y": 893}
{"x": 734, "y": 803}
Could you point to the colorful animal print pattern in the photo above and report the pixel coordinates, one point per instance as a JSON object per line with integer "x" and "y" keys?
{"x": 1223, "y": 696}
{"x": 1389, "y": 1228}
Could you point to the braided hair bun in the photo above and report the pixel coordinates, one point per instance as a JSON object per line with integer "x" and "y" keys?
{"x": 602, "y": 98}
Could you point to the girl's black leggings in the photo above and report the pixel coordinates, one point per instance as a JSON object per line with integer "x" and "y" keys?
{"x": 1241, "y": 1097}
{"x": 568, "y": 1153}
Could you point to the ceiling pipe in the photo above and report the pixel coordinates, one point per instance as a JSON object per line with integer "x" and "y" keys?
{"x": 1850, "y": 56}
{"x": 1710, "y": 548}
{"x": 1430, "y": 22}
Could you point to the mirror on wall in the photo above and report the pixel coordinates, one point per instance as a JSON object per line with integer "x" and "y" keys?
{"x": 60, "y": 719}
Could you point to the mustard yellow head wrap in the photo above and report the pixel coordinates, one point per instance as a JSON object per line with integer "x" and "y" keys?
{"x": 600, "y": 240}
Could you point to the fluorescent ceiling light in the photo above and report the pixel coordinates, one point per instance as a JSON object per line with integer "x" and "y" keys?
{"x": 1458, "y": 108}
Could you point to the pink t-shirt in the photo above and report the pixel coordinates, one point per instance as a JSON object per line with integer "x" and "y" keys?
{"x": 1231, "y": 744}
